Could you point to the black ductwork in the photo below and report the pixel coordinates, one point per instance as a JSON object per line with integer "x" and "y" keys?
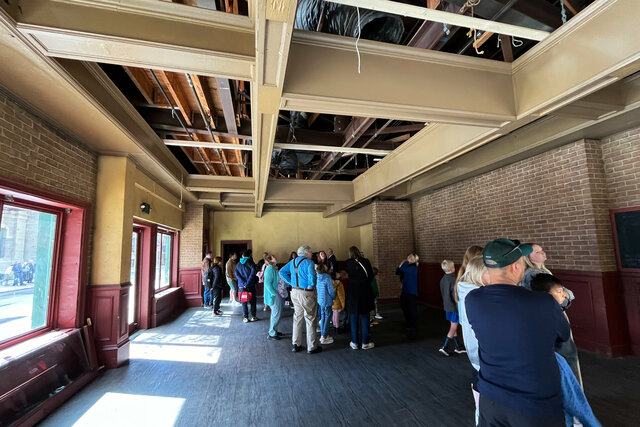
{"x": 343, "y": 20}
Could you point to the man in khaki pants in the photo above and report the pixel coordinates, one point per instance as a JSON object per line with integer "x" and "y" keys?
{"x": 300, "y": 273}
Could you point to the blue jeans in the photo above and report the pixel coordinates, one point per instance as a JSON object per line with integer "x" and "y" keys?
{"x": 364, "y": 322}
{"x": 208, "y": 296}
{"x": 276, "y": 311}
{"x": 325, "y": 315}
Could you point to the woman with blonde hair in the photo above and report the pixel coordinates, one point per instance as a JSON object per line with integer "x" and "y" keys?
{"x": 471, "y": 252}
{"x": 470, "y": 280}
{"x": 408, "y": 272}
{"x": 271, "y": 296}
{"x": 535, "y": 265}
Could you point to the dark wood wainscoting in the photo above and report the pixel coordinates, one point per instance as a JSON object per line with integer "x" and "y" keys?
{"x": 167, "y": 305}
{"x": 190, "y": 280}
{"x": 631, "y": 287}
{"x": 108, "y": 307}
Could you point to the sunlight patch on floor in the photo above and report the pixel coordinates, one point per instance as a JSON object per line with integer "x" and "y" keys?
{"x": 176, "y": 353}
{"x": 120, "y": 409}
{"x": 184, "y": 339}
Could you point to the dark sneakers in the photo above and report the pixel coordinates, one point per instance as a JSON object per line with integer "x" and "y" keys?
{"x": 318, "y": 349}
{"x": 273, "y": 337}
{"x": 280, "y": 334}
{"x": 295, "y": 348}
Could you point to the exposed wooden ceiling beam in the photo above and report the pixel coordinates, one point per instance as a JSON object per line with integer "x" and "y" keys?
{"x": 447, "y": 18}
{"x": 201, "y": 93}
{"x": 569, "y": 6}
{"x": 139, "y": 78}
{"x": 353, "y": 132}
{"x": 505, "y": 45}
{"x": 395, "y": 129}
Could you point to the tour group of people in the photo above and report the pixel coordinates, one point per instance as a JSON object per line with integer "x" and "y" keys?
{"x": 511, "y": 309}
{"x": 312, "y": 284}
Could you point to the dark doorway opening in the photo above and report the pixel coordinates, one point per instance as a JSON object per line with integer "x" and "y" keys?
{"x": 228, "y": 247}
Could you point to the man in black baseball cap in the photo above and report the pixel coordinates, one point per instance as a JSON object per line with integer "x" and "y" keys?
{"x": 519, "y": 380}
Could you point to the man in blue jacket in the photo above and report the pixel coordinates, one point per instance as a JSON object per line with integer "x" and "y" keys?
{"x": 246, "y": 275}
{"x": 300, "y": 273}
{"x": 519, "y": 380}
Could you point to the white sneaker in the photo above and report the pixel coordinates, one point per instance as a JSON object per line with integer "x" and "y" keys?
{"x": 368, "y": 346}
{"x": 327, "y": 340}
{"x": 377, "y": 316}
{"x": 353, "y": 346}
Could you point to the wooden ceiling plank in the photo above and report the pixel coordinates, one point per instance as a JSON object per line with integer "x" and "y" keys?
{"x": 139, "y": 78}
{"x": 569, "y": 6}
{"x": 170, "y": 83}
{"x": 505, "y": 45}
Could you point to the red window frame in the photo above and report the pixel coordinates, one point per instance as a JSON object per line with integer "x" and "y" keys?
{"x": 66, "y": 306}
{"x": 172, "y": 257}
{"x": 55, "y": 265}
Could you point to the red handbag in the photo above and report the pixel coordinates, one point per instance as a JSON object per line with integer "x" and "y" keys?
{"x": 245, "y": 296}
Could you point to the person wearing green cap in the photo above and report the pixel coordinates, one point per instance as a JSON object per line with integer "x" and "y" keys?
{"x": 519, "y": 380}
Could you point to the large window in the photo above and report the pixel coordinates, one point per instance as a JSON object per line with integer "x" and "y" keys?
{"x": 164, "y": 245}
{"x": 27, "y": 243}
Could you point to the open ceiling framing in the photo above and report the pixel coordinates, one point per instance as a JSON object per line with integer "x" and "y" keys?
{"x": 205, "y": 97}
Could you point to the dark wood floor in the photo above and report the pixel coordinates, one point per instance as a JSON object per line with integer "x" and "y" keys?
{"x": 205, "y": 371}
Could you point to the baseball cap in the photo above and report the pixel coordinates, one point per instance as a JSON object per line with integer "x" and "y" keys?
{"x": 503, "y": 252}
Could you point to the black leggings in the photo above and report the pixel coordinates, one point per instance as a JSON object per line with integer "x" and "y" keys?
{"x": 409, "y": 309}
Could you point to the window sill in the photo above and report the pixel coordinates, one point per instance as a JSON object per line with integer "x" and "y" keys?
{"x": 14, "y": 351}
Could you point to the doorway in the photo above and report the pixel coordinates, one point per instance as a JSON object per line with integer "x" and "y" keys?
{"x": 228, "y": 247}
{"x": 134, "y": 291}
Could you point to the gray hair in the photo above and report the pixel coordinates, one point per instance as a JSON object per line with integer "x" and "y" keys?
{"x": 303, "y": 250}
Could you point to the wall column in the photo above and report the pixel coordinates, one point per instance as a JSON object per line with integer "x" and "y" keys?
{"x": 109, "y": 289}
{"x": 191, "y": 253}
{"x": 392, "y": 242}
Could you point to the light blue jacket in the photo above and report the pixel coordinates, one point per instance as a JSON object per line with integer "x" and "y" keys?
{"x": 306, "y": 273}
{"x": 470, "y": 340}
{"x": 270, "y": 284}
{"x": 326, "y": 293}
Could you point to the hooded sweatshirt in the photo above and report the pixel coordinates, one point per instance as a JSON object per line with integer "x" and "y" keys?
{"x": 470, "y": 341}
{"x": 246, "y": 273}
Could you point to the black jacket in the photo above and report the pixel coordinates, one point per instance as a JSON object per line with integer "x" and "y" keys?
{"x": 217, "y": 279}
{"x": 332, "y": 263}
{"x": 359, "y": 292}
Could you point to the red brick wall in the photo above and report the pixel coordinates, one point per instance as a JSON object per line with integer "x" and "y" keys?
{"x": 192, "y": 235}
{"x": 35, "y": 153}
{"x": 392, "y": 242}
{"x": 556, "y": 199}
{"x": 621, "y": 155}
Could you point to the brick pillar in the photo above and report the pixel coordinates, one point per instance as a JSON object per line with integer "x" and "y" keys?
{"x": 392, "y": 242}
{"x": 191, "y": 248}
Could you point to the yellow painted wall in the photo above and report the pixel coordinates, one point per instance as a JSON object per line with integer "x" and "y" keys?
{"x": 113, "y": 220}
{"x": 164, "y": 205}
{"x": 120, "y": 190}
{"x": 283, "y": 232}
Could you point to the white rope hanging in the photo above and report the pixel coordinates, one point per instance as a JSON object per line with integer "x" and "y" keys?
{"x": 358, "y": 39}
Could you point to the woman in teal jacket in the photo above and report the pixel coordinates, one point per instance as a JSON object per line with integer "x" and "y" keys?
{"x": 271, "y": 297}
